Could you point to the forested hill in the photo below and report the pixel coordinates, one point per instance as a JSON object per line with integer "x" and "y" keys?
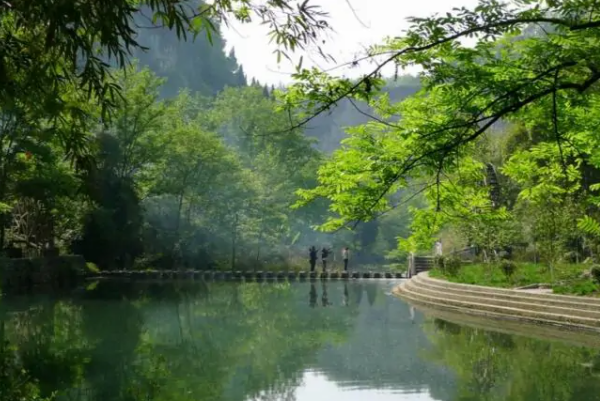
{"x": 205, "y": 68}
{"x": 329, "y": 128}
{"x": 194, "y": 64}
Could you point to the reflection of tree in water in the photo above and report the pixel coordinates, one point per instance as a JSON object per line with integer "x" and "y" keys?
{"x": 372, "y": 290}
{"x": 357, "y": 291}
{"x": 41, "y": 350}
{"x": 324, "y": 296}
{"x": 161, "y": 342}
{"x": 384, "y": 349}
{"x": 498, "y": 366}
{"x": 345, "y": 301}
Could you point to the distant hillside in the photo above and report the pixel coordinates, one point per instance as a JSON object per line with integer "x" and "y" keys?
{"x": 196, "y": 64}
{"x": 329, "y": 128}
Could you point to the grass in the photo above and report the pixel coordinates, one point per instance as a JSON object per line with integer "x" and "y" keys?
{"x": 567, "y": 277}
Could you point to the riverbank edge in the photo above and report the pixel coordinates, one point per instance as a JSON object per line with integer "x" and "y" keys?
{"x": 489, "y": 304}
{"x": 27, "y": 273}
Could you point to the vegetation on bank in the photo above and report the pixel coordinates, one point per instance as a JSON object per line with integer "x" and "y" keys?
{"x": 575, "y": 279}
{"x": 497, "y": 147}
{"x": 498, "y": 152}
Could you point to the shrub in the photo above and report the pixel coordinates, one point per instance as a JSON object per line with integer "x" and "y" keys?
{"x": 452, "y": 265}
{"x": 508, "y": 267}
{"x": 439, "y": 262}
{"x": 92, "y": 267}
{"x": 595, "y": 272}
{"x": 578, "y": 287}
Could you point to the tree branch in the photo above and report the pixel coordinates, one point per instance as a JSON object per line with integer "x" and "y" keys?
{"x": 416, "y": 49}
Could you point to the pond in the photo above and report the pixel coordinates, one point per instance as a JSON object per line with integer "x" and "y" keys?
{"x": 270, "y": 341}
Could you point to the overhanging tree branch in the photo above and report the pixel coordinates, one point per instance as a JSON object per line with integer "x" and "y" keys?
{"x": 486, "y": 28}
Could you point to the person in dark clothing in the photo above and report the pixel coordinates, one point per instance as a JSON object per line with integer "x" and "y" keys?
{"x": 313, "y": 258}
{"x": 324, "y": 256}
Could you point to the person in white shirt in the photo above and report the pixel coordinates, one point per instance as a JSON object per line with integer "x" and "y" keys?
{"x": 345, "y": 256}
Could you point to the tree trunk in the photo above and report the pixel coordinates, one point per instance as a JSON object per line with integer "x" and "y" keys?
{"x": 177, "y": 223}
{"x": 260, "y": 233}
{"x": 233, "y": 241}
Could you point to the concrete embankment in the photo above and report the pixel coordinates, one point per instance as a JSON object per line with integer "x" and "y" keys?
{"x": 548, "y": 310}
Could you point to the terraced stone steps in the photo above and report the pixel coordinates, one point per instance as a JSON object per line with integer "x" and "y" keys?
{"x": 242, "y": 275}
{"x": 509, "y": 296}
{"x": 545, "y": 309}
{"x": 493, "y": 304}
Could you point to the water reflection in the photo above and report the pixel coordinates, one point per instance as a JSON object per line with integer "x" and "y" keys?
{"x": 371, "y": 289}
{"x": 312, "y": 297}
{"x": 238, "y": 342}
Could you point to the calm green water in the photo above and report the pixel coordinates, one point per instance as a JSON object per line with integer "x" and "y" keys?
{"x": 253, "y": 341}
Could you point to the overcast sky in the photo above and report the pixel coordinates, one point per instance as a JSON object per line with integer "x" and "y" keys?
{"x": 374, "y": 20}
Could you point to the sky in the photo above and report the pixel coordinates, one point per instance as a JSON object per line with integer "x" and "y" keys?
{"x": 357, "y": 24}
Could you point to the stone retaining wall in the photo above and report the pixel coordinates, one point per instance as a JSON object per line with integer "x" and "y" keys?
{"x": 560, "y": 311}
{"x": 56, "y": 272}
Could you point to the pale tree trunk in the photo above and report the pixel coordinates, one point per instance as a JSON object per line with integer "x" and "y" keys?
{"x": 178, "y": 222}
{"x": 260, "y": 234}
{"x": 233, "y": 241}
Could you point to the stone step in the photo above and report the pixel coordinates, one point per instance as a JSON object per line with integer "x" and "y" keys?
{"x": 507, "y": 312}
{"x": 579, "y": 309}
{"x": 512, "y": 295}
{"x": 520, "y": 316}
{"x": 424, "y": 277}
{"x": 245, "y": 275}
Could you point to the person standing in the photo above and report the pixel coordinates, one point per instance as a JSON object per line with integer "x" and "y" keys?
{"x": 345, "y": 257}
{"x": 312, "y": 257}
{"x": 438, "y": 248}
{"x": 324, "y": 256}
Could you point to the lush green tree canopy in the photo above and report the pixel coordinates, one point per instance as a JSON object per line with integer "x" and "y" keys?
{"x": 527, "y": 62}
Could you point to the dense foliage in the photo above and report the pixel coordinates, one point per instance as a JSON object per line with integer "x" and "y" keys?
{"x": 500, "y": 143}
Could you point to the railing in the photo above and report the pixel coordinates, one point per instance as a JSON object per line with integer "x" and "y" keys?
{"x": 418, "y": 264}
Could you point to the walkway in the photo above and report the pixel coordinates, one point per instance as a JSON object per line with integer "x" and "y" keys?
{"x": 244, "y": 275}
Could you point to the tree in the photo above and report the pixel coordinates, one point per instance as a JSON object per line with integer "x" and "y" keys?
{"x": 49, "y": 46}
{"x": 466, "y": 90}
